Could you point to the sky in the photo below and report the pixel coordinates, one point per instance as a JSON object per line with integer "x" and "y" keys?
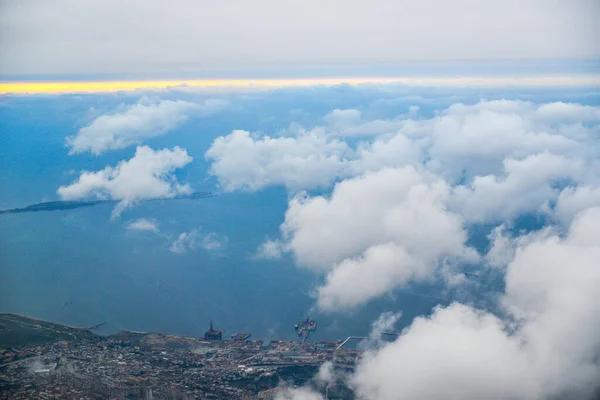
{"x": 430, "y": 168}
{"x": 186, "y": 36}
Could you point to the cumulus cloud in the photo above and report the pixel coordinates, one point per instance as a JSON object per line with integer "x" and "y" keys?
{"x": 399, "y": 210}
{"x": 527, "y": 186}
{"x": 374, "y": 233}
{"x": 310, "y": 160}
{"x": 547, "y": 344}
{"x": 474, "y": 140}
{"x": 133, "y": 124}
{"x": 401, "y": 202}
{"x": 573, "y": 200}
{"x": 491, "y": 141}
{"x": 466, "y": 353}
{"x": 147, "y": 175}
{"x": 143, "y": 225}
{"x": 194, "y": 239}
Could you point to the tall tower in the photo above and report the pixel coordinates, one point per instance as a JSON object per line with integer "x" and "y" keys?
{"x": 212, "y": 333}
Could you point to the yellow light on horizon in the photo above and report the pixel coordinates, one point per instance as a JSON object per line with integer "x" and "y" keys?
{"x": 258, "y": 84}
{"x": 116, "y": 86}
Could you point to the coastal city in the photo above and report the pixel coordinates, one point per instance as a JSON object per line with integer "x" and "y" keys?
{"x": 44, "y": 360}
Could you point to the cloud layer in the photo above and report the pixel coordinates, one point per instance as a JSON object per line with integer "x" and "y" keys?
{"x": 405, "y": 193}
{"x": 36, "y": 38}
{"x": 547, "y": 345}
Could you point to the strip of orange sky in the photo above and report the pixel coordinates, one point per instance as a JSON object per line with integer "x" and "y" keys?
{"x": 249, "y": 84}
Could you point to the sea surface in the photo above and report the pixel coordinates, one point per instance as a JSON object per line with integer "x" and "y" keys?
{"x": 81, "y": 267}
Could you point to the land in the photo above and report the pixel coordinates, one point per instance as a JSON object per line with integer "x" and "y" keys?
{"x": 46, "y": 360}
{"x": 69, "y": 205}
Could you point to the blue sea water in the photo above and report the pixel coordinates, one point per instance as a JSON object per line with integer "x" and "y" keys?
{"x": 80, "y": 267}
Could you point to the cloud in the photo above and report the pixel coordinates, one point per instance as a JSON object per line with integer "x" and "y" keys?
{"x": 214, "y": 242}
{"x": 385, "y": 323}
{"x": 301, "y": 393}
{"x": 194, "y": 239}
{"x": 148, "y": 175}
{"x": 270, "y": 250}
{"x": 465, "y": 144}
{"x": 133, "y": 124}
{"x": 573, "y": 200}
{"x": 401, "y": 202}
{"x": 527, "y": 186}
{"x": 143, "y": 225}
{"x": 37, "y": 39}
{"x": 349, "y": 122}
{"x": 547, "y": 347}
{"x": 375, "y": 233}
{"x": 504, "y": 245}
{"x": 474, "y": 140}
{"x": 399, "y": 210}
{"x": 240, "y": 161}
{"x": 466, "y": 353}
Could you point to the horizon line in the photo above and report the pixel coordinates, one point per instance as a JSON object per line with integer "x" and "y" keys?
{"x": 111, "y": 86}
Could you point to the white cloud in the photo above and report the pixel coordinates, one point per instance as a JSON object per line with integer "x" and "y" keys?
{"x": 473, "y": 145}
{"x": 385, "y": 323}
{"x": 214, "y": 242}
{"x": 548, "y": 347}
{"x": 573, "y": 200}
{"x": 301, "y": 393}
{"x": 398, "y": 214}
{"x": 374, "y": 233}
{"x": 326, "y": 373}
{"x": 143, "y": 225}
{"x": 394, "y": 151}
{"x": 240, "y": 161}
{"x": 350, "y": 123}
{"x": 185, "y": 241}
{"x": 343, "y": 117}
{"x": 503, "y": 245}
{"x": 527, "y": 187}
{"x": 458, "y": 353}
{"x": 474, "y": 140}
{"x": 135, "y": 123}
{"x": 148, "y": 175}
{"x": 568, "y": 113}
{"x": 489, "y": 162}
{"x": 194, "y": 239}
{"x": 271, "y": 249}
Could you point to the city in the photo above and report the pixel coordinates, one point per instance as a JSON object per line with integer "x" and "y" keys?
{"x": 44, "y": 360}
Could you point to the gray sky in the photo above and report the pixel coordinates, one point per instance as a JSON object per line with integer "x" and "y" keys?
{"x": 150, "y": 36}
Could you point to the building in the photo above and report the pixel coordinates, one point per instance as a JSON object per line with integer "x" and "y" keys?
{"x": 212, "y": 334}
{"x": 146, "y": 393}
{"x": 240, "y": 337}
